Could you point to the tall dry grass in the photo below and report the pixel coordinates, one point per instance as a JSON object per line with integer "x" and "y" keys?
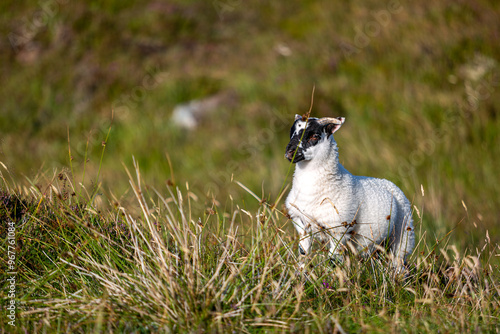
{"x": 162, "y": 266}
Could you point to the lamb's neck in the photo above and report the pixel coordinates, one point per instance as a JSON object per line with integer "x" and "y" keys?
{"x": 316, "y": 175}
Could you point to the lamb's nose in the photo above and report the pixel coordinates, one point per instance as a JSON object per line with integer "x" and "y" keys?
{"x": 289, "y": 155}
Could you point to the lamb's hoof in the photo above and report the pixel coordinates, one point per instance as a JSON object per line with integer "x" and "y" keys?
{"x": 336, "y": 260}
{"x": 301, "y": 273}
{"x": 402, "y": 271}
{"x": 305, "y": 277}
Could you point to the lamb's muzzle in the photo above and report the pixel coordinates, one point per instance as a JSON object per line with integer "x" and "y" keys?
{"x": 289, "y": 155}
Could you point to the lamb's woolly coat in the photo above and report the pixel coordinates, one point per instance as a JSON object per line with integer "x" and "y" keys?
{"x": 328, "y": 202}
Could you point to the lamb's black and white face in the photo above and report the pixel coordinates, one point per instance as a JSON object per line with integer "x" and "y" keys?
{"x": 310, "y": 138}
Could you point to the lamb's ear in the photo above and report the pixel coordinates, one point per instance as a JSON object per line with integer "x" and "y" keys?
{"x": 332, "y": 124}
{"x": 297, "y": 116}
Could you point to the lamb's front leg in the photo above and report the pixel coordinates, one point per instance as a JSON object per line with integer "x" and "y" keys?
{"x": 337, "y": 245}
{"x": 304, "y": 245}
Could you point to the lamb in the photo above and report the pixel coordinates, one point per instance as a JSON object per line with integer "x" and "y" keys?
{"x": 328, "y": 203}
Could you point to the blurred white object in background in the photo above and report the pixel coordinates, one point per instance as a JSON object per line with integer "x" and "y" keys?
{"x": 188, "y": 115}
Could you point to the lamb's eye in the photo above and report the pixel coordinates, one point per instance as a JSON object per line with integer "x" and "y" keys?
{"x": 314, "y": 137}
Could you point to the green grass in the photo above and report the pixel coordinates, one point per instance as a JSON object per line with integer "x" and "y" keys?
{"x": 161, "y": 265}
{"x": 421, "y": 103}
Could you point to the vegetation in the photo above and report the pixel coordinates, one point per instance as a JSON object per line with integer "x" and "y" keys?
{"x": 165, "y": 270}
{"x": 196, "y": 239}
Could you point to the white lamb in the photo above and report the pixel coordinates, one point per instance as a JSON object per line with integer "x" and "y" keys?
{"x": 329, "y": 203}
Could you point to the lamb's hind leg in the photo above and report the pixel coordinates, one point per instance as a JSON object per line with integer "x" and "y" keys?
{"x": 403, "y": 241}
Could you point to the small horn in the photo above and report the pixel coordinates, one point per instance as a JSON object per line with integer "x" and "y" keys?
{"x": 329, "y": 120}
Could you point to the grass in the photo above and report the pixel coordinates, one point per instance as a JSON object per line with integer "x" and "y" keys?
{"x": 162, "y": 265}
{"x": 421, "y": 102}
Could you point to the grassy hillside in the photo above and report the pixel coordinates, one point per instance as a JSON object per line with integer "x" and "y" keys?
{"x": 88, "y": 88}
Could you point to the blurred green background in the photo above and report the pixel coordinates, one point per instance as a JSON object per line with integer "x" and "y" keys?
{"x": 418, "y": 83}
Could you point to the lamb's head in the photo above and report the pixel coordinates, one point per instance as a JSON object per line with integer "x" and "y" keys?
{"x": 311, "y": 138}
